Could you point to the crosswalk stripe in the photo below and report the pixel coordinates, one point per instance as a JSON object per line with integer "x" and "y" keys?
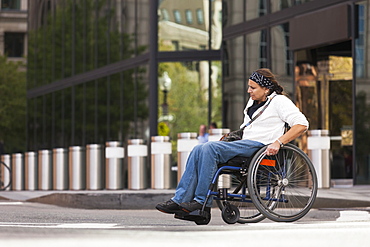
{"x": 86, "y": 225}
{"x": 61, "y": 225}
{"x": 10, "y": 203}
{"x": 354, "y": 215}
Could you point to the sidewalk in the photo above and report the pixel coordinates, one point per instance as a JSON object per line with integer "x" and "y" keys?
{"x": 348, "y": 197}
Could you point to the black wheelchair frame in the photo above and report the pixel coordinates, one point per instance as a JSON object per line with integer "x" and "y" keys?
{"x": 282, "y": 188}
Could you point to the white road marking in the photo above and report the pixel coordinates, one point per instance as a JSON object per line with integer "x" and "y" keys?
{"x": 354, "y": 215}
{"x": 11, "y": 203}
{"x": 87, "y": 226}
{"x": 61, "y": 225}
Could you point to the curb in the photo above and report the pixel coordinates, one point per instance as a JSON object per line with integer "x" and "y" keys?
{"x": 150, "y": 200}
{"x": 104, "y": 201}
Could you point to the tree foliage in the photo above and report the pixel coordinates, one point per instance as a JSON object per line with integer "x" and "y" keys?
{"x": 12, "y": 105}
{"x": 81, "y": 36}
{"x": 188, "y": 100}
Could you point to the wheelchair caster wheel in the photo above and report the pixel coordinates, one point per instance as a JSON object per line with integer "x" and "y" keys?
{"x": 230, "y": 214}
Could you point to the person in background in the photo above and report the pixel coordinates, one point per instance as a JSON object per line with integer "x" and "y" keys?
{"x": 203, "y": 135}
{"x": 213, "y": 125}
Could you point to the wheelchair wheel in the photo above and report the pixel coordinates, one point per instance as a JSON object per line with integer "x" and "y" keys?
{"x": 283, "y": 187}
{"x": 248, "y": 213}
{"x": 230, "y": 214}
{"x": 5, "y": 176}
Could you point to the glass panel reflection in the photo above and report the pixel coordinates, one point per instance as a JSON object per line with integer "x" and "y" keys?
{"x": 184, "y": 96}
{"x": 281, "y": 56}
{"x": 256, "y": 51}
{"x": 284, "y": 4}
{"x": 362, "y": 118}
{"x": 106, "y": 109}
{"x": 242, "y": 56}
{"x": 238, "y": 11}
{"x": 184, "y": 25}
{"x": 80, "y": 36}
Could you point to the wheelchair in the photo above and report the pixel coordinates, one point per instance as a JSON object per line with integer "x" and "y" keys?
{"x": 281, "y": 187}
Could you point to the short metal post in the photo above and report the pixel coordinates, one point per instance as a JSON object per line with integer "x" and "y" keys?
{"x": 137, "y": 153}
{"x": 45, "y": 170}
{"x": 114, "y": 154}
{"x": 77, "y": 168}
{"x": 161, "y": 162}
{"x": 31, "y": 178}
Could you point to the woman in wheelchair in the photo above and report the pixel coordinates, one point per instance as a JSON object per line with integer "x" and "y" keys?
{"x": 266, "y": 129}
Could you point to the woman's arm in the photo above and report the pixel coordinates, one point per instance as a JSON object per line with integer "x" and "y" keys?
{"x": 294, "y": 132}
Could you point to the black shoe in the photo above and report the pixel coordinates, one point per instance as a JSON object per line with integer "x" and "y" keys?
{"x": 168, "y": 207}
{"x": 191, "y": 206}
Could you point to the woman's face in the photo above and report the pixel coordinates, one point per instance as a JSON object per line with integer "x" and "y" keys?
{"x": 257, "y": 92}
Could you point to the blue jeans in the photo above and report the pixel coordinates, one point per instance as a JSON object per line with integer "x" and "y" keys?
{"x": 202, "y": 165}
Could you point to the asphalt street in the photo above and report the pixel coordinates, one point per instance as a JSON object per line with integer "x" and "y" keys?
{"x": 35, "y": 224}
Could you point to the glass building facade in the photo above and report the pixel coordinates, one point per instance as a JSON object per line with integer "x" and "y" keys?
{"x": 115, "y": 70}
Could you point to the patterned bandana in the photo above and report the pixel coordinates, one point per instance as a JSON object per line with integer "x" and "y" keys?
{"x": 261, "y": 80}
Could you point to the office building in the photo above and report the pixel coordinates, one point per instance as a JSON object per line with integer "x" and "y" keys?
{"x": 94, "y": 69}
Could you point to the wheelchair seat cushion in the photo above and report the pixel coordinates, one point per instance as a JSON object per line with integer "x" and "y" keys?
{"x": 236, "y": 161}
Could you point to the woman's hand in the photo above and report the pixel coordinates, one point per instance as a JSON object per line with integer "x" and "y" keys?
{"x": 290, "y": 135}
{"x": 273, "y": 148}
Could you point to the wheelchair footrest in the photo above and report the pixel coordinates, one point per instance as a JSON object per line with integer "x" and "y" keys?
{"x": 198, "y": 216}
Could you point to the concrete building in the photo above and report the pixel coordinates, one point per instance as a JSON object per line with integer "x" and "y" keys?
{"x": 13, "y": 29}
